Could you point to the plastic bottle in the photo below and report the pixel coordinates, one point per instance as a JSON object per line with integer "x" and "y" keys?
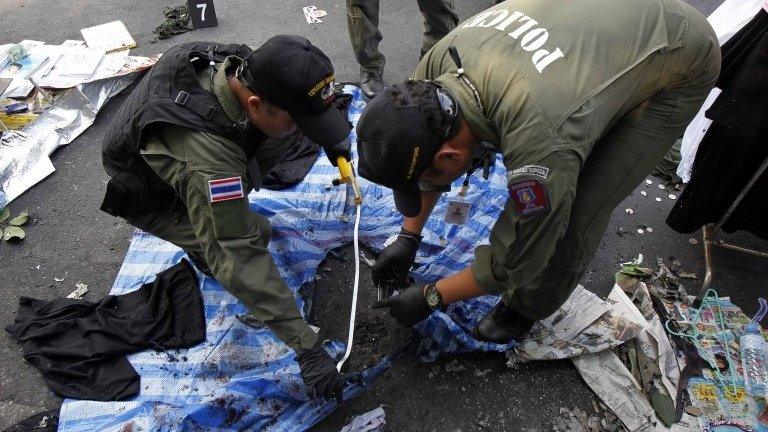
{"x": 754, "y": 359}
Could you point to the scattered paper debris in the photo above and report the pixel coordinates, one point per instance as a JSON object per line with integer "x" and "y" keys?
{"x": 108, "y": 37}
{"x": 79, "y": 292}
{"x": 372, "y": 421}
{"x": 313, "y": 14}
{"x": 637, "y": 261}
{"x": 581, "y": 421}
{"x": 368, "y": 260}
{"x": 43, "y": 423}
{"x": 629, "y": 211}
{"x": 513, "y": 361}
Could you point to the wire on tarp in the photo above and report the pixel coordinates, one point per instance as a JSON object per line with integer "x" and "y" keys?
{"x": 355, "y": 286}
{"x": 711, "y": 297}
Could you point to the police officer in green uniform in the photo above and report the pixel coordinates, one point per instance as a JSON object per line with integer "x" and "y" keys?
{"x": 195, "y": 137}
{"x": 363, "y": 23}
{"x": 581, "y": 99}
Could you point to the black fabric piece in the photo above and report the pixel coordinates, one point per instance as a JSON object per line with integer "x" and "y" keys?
{"x": 169, "y": 93}
{"x": 79, "y": 346}
{"x": 735, "y": 144}
{"x": 294, "y": 166}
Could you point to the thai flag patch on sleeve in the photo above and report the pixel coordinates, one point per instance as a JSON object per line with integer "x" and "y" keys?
{"x": 225, "y": 189}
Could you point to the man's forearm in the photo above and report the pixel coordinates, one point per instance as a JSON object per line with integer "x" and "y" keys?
{"x": 459, "y": 286}
{"x": 428, "y": 202}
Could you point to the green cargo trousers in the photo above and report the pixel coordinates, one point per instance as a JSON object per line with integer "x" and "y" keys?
{"x": 665, "y": 92}
{"x": 363, "y": 23}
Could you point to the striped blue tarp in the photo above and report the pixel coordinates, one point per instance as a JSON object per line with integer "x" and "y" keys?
{"x": 242, "y": 378}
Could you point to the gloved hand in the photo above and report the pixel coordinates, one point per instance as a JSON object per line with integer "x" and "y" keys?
{"x": 409, "y": 307}
{"x": 318, "y": 370}
{"x": 342, "y": 148}
{"x": 395, "y": 260}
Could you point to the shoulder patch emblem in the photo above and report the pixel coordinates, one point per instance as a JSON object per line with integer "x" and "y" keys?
{"x": 225, "y": 189}
{"x": 530, "y": 197}
{"x": 536, "y": 170}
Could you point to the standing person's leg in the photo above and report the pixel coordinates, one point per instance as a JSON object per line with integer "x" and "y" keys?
{"x": 363, "y": 24}
{"x": 439, "y": 19}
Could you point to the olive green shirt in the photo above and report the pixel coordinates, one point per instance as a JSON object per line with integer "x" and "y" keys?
{"x": 538, "y": 67}
{"x": 232, "y": 238}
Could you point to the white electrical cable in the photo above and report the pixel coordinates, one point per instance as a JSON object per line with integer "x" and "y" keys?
{"x": 351, "y": 335}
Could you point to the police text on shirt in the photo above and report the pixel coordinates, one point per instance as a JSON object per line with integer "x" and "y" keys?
{"x": 533, "y": 38}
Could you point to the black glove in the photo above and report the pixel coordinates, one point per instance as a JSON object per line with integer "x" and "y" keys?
{"x": 342, "y": 148}
{"x": 409, "y": 307}
{"x": 395, "y": 260}
{"x": 318, "y": 370}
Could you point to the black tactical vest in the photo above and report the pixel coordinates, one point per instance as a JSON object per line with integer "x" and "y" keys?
{"x": 169, "y": 93}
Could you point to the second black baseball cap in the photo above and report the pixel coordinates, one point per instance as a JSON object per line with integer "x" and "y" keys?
{"x": 394, "y": 143}
{"x": 296, "y": 76}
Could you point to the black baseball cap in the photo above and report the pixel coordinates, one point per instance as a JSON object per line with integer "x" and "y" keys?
{"x": 394, "y": 143}
{"x": 296, "y": 76}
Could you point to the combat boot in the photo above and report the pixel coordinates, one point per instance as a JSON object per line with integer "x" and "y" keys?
{"x": 371, "y": 83}
{"x": 502, "y": 325}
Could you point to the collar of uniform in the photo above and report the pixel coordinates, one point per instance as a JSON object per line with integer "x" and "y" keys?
{"x": 223, "y": 93}
{"x": 470, "y": 110}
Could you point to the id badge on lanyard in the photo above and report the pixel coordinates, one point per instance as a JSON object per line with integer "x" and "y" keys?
{"x": 458, "y": 208}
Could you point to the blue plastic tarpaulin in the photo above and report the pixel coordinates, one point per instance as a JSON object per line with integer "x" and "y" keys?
{"x": 243, "y": 378}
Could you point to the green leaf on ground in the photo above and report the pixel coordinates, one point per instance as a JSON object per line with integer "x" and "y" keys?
{"x": 634, "y": 270}
{"x": 13, "y": 233}
{"x": 19, "y": 220}
{"x": 5, "y": 214}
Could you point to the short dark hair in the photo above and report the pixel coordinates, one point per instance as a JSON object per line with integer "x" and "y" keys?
{"x": 424, "y": 96}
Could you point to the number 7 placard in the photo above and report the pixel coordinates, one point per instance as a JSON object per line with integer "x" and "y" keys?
{"x": 203, "y": 13}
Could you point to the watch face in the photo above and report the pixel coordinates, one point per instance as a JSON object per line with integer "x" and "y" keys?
{"x": 433, "y": 298}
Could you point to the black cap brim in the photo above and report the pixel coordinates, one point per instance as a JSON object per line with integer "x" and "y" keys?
{"x": 325, "y": 129}
{"x": 408, "y": 202}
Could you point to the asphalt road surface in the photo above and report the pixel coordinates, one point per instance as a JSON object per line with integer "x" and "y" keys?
{"x": 70, "y": 239}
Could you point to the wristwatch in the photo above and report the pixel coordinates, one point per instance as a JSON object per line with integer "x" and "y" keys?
{"x": 433, "y": 297}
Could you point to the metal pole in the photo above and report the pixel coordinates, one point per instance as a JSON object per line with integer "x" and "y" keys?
{"x": 709, "y": 233}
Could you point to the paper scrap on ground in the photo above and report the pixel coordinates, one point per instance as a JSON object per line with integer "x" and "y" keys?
{"x": 583, "y": 324}
{"x": 607, "y": 376}
{"x": 108, "y": 37}
{"x": 313, "y": 14}
{"x": 79, "y": 292}
{"x": 372, "y": 421}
